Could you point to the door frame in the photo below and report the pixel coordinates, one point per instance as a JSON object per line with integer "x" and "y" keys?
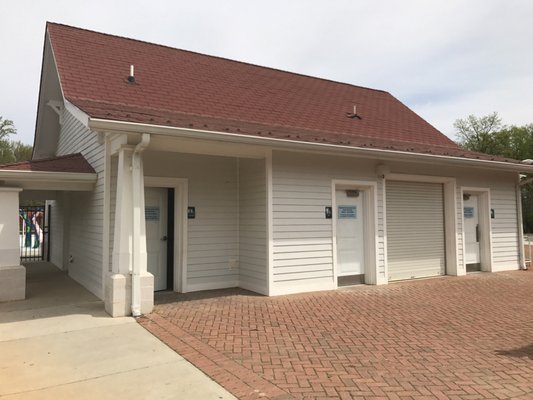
{"x": 485, "y": 228}
{"x": 370, "y": 226}
{"x": 180, "y": 186}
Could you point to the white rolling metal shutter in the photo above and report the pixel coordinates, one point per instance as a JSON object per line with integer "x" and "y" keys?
{"x": 415, "y": 230}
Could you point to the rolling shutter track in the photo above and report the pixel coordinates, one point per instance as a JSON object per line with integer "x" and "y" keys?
{"x": 415, "y": 230}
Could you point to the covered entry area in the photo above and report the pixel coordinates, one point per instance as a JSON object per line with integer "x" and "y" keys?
{"x": 37, "y": 180}
{"x": 184, "y": 215}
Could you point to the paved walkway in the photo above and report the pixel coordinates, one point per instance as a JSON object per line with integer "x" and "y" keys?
{"x": 60, "y": 344}
{"x": 447, "y": 338}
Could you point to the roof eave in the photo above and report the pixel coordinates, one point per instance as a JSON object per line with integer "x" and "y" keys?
{"x": 46, "y": 180}
{"x": 114, "y": 126}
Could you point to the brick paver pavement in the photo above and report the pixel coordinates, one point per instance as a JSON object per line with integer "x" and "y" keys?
{"x": 446, "y": 338}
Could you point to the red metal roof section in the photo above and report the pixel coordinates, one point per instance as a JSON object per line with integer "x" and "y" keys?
{"x": 184, "y": 89}
{"x": 74, "y": 163}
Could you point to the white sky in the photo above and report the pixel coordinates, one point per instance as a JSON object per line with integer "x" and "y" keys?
{"x": 445, "y": 59}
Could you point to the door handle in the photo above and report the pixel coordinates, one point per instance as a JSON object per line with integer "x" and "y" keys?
{"x": 477, "y": 233}
{"x": 164, "y": 238}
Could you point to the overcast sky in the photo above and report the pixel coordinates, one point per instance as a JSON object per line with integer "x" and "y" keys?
{"x": 445, "y": 59}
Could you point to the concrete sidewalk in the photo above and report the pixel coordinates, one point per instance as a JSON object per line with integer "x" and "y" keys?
{"x": 59, "y": 343}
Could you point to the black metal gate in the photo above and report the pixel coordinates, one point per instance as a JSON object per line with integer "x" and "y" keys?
{"x": 34, "y": 233}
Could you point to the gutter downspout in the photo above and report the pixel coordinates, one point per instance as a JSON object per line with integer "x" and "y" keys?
{"x": 521, "y": 255}
{"x": 137, "y": 215}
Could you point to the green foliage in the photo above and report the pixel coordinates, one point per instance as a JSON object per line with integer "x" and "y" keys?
{"x": 6, "y": 152}
{"x": 488, "y": 135}
{"x": 6, "y": 128}
{"x": 11, "y": 151}
{"x": 21, "y": 151}
{"x": 477, "y": 134}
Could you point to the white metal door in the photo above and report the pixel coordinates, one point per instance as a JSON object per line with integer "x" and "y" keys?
{"x": 415, "y": 230}
{"x": 156, "y": 234}
{"x": 471, "y": 228}
{"x": 350, "y": 233}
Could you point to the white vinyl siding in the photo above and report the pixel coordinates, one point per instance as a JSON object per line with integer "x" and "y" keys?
{"x": 253, "y": 274}
{"x": 504, "y": 228}
{"x": 302, "y": 236}
{"x": 86, "y": 208}
{"x": 415, "y": 230}
{"x": 213, "y": 236}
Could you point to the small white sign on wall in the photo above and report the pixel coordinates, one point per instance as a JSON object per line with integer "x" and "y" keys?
{"x": 151, "y": 213}
{"x": 469, "y": 212}
{"x": 347, "y": 212}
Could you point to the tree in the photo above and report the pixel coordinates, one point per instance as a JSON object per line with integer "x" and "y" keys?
{"x": 6, "y": 128}
{"x": 11, "y": 151}
{"x": 477, "y": 134}
{"x": 488, "y": 135}
{"x": 21, "y": 151}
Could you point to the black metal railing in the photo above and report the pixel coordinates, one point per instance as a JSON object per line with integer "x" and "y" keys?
{"x": 34, "y": 233}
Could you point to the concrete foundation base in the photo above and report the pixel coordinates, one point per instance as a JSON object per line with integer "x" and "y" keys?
{"x": 12, "y": 283}
{"x": 118, "y": 294}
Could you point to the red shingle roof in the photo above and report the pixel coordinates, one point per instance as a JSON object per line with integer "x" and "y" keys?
{"x": 75, "y": 163}
{"x": 189, "y": 90}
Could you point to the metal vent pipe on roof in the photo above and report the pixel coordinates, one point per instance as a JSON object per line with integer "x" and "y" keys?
{"x": 131, "y": 77}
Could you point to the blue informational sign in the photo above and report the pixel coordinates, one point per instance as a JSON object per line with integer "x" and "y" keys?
{"x": 469, "y": 212}
{"x": 151, "y": 213}
{"x": 347, "y": 212}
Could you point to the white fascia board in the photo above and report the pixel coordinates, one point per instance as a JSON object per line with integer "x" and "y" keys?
{"x": 50, "y": 180}
{"x": 103, "y": 125}
{"x": 79, "y": 114}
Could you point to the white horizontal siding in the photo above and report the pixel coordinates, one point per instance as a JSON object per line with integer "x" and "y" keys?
{"x": 303, "y": 240}
{"x": 86, "y": 208}
{"x": 253, "y": 273}
{"x": 213, "y": 236}
{"x": 504, "y": 227}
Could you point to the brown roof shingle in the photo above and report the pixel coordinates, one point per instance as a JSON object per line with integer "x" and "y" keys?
{"x": 189, "y": 90}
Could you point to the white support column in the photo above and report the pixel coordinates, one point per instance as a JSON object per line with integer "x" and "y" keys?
{"x": 142, "y": 281}
{"x": 129, "y": 265}
{"x": 118, "y": 284}
{"x": 12, "y": 274}
{"x": 123, "y": 246}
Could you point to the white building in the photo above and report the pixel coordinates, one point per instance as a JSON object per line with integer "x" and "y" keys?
{"x": 209, "y": 173}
